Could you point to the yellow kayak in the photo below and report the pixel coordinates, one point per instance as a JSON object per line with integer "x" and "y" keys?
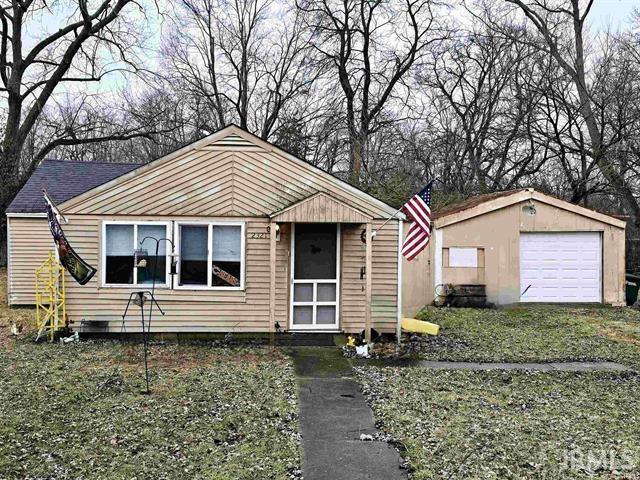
{"x": 418, "y": 326}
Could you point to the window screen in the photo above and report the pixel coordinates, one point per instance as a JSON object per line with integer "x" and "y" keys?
{"x": 315, "y": 254}
{"x": 157, "y": 264}
{"x": 119, "y": 254}
{"x": 226, "y": 245}
{"x": 193, "y": 254}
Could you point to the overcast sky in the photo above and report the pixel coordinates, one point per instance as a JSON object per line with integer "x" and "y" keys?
{"x": 614, "y": 14}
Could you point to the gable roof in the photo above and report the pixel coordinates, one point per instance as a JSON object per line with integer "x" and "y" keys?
{"x": 320, "y": 207}
{"x": 229, "y": 173}
{"x": 64, "y": 179}
{"x": 481, "y": 204}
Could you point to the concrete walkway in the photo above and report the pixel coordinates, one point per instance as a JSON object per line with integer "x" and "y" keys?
{"x": 479, "y": 366}
{"x": 333, "y": 415}
{"x": 541, "y": 367}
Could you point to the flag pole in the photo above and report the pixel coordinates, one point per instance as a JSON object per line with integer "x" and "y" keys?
{"x": 61, "y": 218}
{"x": 373, "y": 234}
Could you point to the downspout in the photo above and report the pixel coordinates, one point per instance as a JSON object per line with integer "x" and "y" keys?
{"x": 400, "y": 280}
{"x": 437, "y": 269}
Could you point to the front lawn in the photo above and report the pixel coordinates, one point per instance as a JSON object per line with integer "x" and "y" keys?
{"x": 76, "y": 411}
{"x": 534, "y": 333}
{"x": 516, "y": 424}
{"x": 508, "y": 425}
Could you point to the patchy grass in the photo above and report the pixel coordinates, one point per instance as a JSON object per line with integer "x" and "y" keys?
{"x": 23, "y": 317}
{"x": 508, "y": 425}
{"x": 516, "y": 424}
{"x": 76, "y": 411}
{"x": 534, "y": 333}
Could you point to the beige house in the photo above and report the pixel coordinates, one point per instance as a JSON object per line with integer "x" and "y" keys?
{"x": 524, "y": 246}
{"x": 259, "y": 238}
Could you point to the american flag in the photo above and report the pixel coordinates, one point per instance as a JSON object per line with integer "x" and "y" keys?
{"x": 418, "y": 209}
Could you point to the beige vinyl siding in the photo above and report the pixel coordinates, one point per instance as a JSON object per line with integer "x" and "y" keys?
{"x": 235, "y": 176}
{"x": 352, "y": 292}
{"x": 238, "y": 311}
{"x": 384, "y": 292}
{"x": 186, "y": 310}
{"x": 30, "y": 242}
{"x": 323, "y": 209}
{"x": 238, "y": 179}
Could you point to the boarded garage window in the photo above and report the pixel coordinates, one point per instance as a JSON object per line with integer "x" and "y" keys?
{"x": 463, "y": 257}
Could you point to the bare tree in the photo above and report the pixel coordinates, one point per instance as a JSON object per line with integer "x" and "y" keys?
{"x": 93, "y": 41}
{"x": 246, "y": 59}
{"x": 136, "y": 128}
{"x": 488, "y": 86}
{"x": 561, "y": 25}
{"x": 371, "y": 45}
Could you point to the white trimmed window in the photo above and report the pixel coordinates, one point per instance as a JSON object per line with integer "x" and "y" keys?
{"x": 121, "y": 239}
{"x": 210, "y": 255}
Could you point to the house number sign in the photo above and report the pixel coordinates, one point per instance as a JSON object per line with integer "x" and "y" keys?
{"x": 259, "y": 235}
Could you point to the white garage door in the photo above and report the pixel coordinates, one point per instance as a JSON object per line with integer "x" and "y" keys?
{"x": 560, "y": 267}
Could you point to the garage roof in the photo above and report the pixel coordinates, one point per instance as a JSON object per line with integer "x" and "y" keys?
{"x": 473, "y": 202}
{"x": 481, "y": 204}
{"x": 64, "y": 179}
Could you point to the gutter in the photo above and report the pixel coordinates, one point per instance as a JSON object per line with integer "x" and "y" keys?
{"x": 26, "y": 215}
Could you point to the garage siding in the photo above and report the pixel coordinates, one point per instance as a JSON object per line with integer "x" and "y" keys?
{"x": 498, "y": 232}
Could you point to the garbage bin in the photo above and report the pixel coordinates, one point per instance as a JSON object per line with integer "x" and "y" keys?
{"x": 632, "y": 285}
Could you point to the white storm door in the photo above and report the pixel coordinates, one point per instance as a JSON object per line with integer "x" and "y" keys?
{"x": 315, "y": 282}
{"x": 561, "y": 267}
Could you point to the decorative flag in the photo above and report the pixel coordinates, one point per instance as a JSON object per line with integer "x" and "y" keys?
{"x": 418, "y": 209}
{"x": 70, "y": 260}
{"x": 226, "y": 276}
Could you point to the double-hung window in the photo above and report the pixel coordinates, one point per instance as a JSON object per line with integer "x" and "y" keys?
{"x": 121, "y": 239}
{"x": 211, "y": 255}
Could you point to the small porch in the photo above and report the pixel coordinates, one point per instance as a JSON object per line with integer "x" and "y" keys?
{"x": 319, "y": 271}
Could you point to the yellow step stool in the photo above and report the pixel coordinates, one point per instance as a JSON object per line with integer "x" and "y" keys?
{"x": 419, "y": 326}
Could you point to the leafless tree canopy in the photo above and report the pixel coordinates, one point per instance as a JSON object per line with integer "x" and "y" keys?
{"x": 478, "y": 95}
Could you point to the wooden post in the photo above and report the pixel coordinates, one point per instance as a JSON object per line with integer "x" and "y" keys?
{"x": 272, "y": 281}
{"x": 368, "y": 276}
{"x": 399, "y": 290}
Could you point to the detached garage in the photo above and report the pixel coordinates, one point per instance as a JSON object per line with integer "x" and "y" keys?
{"x": 523, "y": 246}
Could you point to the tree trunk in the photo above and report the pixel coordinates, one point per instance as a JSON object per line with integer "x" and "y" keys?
{"x": 9, "y": 168}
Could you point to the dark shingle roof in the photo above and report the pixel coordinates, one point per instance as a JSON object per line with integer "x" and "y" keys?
{"x": 63, "y": 180}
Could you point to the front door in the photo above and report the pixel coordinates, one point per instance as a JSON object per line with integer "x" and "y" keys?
{"x": 315, "y": 252}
